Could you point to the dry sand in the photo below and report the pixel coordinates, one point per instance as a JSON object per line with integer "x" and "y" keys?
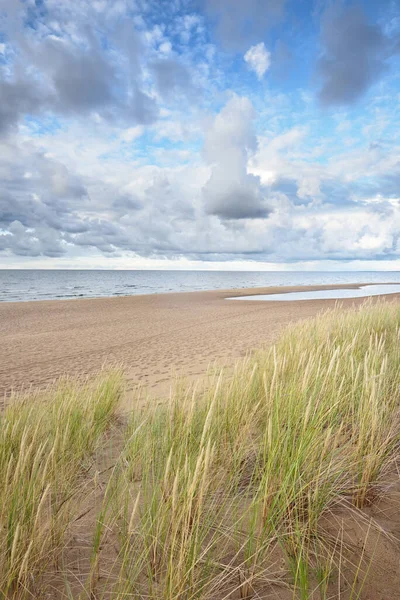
{"x": 154, "y": 336}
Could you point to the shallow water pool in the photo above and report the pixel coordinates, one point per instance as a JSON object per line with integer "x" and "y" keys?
{"x": 361, "y": 292}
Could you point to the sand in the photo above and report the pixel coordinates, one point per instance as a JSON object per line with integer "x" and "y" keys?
{"x": 155, "y": 337}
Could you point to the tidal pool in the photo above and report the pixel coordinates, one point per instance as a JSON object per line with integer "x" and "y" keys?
{"x": 361, "y": 292}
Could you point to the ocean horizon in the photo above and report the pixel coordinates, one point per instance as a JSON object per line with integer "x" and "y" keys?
{"x": 22, "y": 285}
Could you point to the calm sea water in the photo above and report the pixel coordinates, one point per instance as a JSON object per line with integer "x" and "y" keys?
{"x": 23, "y": 285}
{"x": 376, "y": 289}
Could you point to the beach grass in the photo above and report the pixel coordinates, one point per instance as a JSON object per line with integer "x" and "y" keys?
{"x": 46, "y": 441}
{"x": 223, "y": 494}
{"x": 228, "y": 491}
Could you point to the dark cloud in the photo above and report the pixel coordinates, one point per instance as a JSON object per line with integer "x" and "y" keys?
{"x": 354, "y": 56}
{"x": 240, "y": 23}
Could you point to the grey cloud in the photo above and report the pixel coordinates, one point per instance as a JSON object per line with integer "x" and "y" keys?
{"x": 171, "y": 78}
{"x": 25, "y": 242}
{"x": 142, "y": 107}
{"x": 102, "y": 235}
{"x": 234, "y": 199}
{"x": 239, "y": 23}
{"x": 39, "y": 202}
{"x": 125, "y": 204}
{"x": 164, "y": 196}
{"x": 83, "y": 80}
{"x": 17, "y": 98}
{"x": 354, "y": 55}
{"x": 60, "y": 65}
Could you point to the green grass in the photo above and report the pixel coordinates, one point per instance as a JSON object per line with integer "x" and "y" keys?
{"x": 225, "y": 482}
{"x": 223, "y": 493}
{"x": 44, "y": 443}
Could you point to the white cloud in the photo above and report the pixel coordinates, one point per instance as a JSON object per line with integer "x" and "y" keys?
{"x": 257, "y": 174}
{"x": 232, "y": 192}
{"x": 132, "y": 133}
{"x": 258, "y": 59}
{"x": 165, "y": 47}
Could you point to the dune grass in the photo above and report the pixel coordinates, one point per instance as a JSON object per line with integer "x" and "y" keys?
{"x": 44, "y": 442}
{"x": 220, "y": 493}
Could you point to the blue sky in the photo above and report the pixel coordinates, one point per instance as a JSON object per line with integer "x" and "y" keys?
{"x": 200, "y": 134}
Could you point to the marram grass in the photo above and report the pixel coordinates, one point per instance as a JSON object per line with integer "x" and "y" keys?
{"x": 216, "y": 491}
{"x": 222, "y": 493}
{"x": 44, "y": 441}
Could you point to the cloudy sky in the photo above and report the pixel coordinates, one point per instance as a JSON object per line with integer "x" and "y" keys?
{"x": 200, "y": 133}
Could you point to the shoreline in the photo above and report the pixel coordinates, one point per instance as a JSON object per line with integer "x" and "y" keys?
{"x": 154, "y": 336}
{"x": 255, "y": 291}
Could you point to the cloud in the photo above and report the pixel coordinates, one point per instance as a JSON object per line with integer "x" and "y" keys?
{"x": 58, "y": 62}
{"x": 240, "y": 23}
{"x": 354, "y": 54}
{"x": 18, "y": 97}
{"x": 258, "y": 59}
{"x": 40, "y": 202}
{"x": 83, "y": 79}
{"x": 232, "y": 192}
{"x": 209, "y": 212}
{"x": 171, "y": 78}
{"x": 25, "y": 242}
{"x": 123, "y": 137}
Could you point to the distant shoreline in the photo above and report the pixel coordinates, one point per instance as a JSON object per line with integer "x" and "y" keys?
{"x": 226, "y": 293}
{"x": 25, "y": 285}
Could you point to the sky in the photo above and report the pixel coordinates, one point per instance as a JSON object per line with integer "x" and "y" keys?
{"x": 209, "y": 134}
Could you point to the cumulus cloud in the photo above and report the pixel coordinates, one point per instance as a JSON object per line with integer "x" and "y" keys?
{"x": 354, "y": 54}
{"x": 258, "y": 59}
{"x": 121, "y": 135}
{"x": 232, "y": 192}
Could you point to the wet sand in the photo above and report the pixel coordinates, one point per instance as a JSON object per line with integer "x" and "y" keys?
{"x": 154, "y": 336}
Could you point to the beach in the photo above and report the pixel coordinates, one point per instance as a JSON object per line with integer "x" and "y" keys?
{"x": 154, "y": 337}
{"x": 132, "y": 471}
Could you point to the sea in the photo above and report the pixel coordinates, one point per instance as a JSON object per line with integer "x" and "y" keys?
{"x": 24, "y": 285}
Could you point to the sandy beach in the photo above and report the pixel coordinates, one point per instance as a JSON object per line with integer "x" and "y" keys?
{"x": 154, "y": 336}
